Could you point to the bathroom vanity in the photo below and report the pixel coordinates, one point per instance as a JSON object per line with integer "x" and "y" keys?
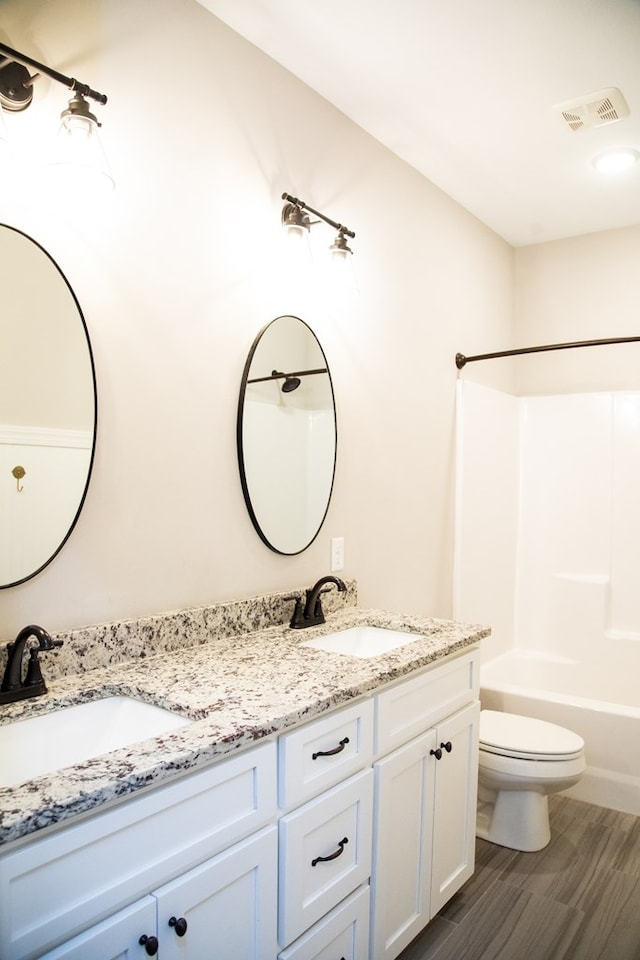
{"x": 323, "y": 805}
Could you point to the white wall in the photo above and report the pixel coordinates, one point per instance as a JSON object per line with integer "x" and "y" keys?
{"x": 582, "y": 288}
{"x": 176, "y": 274}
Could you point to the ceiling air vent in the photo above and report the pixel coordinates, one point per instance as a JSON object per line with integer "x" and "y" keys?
{"x": 594, "y": 109}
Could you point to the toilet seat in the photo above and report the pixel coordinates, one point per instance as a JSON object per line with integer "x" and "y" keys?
{"x": 525, "y": 738}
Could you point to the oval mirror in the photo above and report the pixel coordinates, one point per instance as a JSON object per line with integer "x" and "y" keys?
{"x": 286, "y": 435}
{"x": 48, "y": 408}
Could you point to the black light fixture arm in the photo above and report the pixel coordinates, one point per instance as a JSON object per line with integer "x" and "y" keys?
{"x": 81, "y": 88}
{"x": 305, "y": 206}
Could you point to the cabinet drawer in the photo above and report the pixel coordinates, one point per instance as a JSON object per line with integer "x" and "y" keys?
{"x": 52, "y": 888}
{"x": 343, "y": 933}
{"x": 323, "y": 752}
{"x": 324, "y": 853}
{"x": 412, "y": 706}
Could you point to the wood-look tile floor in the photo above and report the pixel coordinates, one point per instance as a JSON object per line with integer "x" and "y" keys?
{"x": 578, "y": 899}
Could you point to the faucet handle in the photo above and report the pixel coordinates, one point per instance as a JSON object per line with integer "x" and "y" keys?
{"x": 47, "y": 642}
{"x": 34, "y": 672}
{"x": 297, "y": 620}
{"x": 34, "y": 676}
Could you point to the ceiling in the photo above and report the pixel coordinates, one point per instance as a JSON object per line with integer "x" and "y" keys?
{"x": 465, "y": 91}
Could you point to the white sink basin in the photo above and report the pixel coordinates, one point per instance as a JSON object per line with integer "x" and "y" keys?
{"x": 51, "y": 741}
{"x": 362, "y": 641}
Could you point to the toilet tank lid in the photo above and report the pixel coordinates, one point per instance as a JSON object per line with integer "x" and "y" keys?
{"x": 517, "y": 734}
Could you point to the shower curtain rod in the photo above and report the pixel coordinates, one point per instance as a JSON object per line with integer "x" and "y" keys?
{"x": 461, "y": 360}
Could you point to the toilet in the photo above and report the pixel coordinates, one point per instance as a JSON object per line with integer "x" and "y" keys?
{"x": 521, "y": 762}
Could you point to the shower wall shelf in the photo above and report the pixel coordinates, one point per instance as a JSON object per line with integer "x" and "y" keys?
{"x": 461, "y": 359}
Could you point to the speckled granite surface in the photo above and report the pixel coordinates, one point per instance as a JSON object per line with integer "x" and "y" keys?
{"x": 109, "y": 644}
{"x": 238, "y": 689}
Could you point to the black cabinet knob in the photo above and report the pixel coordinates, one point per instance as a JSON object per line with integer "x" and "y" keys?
{"x": 448, "y": 746}
{"x": 179, "y": 925}
{"x": 437, "y": 753}
{"x": 150, "y": 944}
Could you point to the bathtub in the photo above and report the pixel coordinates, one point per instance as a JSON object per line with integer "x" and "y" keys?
{"x": 599, "y": 703}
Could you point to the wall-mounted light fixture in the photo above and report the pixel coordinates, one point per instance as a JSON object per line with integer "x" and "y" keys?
{"x": 297, "y": 223}
{"x": 78, "y": 143}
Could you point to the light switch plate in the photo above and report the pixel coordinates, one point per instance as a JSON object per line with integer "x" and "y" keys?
{"x": 337, "y": 554}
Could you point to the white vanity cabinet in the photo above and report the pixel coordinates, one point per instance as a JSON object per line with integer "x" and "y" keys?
{"x": 201, "y": 849}
{"x": 339, "y": 840}
{"x": 218, "y": 908}
{"x": 425, "y": 799}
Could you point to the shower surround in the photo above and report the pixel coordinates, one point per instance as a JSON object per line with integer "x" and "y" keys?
{"x": 548, "y": 553}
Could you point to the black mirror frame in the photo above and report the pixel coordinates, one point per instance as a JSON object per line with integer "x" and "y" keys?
{"x": 239, "y": 441}
{"x": 15, "y": 583}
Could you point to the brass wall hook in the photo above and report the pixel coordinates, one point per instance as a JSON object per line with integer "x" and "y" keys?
{"x": 19, "y": 473}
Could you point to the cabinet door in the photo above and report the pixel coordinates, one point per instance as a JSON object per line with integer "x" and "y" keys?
{"x": 454, "y": 823}
{"x": 117, "y": 938}
{"x": 228, "y": 905}
{"x": 400, "y": 884}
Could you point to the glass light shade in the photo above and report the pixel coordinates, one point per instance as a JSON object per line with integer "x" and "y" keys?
{"x": 297, "y": 248}
{"x": 296, "y": 233}
{"x": 340, "y": 255}
{"x": 341, "y": 269}
{"x": 295, "y": 224}
{"x": 78, "y": 155}
{"x": 341, "y": 280}
{"x": 615, "y": 161}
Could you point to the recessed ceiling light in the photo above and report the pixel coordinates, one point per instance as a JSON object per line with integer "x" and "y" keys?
{"x": 614, "y": 161}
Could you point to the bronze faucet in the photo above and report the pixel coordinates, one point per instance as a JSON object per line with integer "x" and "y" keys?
{"x": 13, "y": 687}
{"x": 312, "y": 615}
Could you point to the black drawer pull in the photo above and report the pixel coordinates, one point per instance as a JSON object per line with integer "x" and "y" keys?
{"x": 437, "y": 753}
{"x": 331, "y": 753}
{"x": 332, "y": 856}
{"x": 150, "y": 944}
{"x": 179, "y": 925}
{"x": 448, "y": 746}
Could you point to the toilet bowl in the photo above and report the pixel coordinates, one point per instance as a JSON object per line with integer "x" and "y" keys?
{"x": 521, "y": 762}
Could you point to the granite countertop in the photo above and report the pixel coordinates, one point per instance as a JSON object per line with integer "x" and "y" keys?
{"x": 237, "y": 689}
